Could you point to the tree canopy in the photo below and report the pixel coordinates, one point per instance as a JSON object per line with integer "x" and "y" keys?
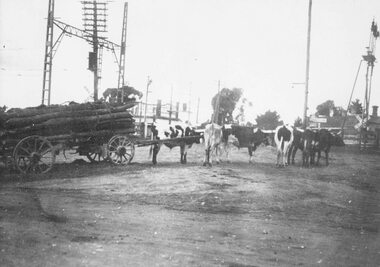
{"x": 269, "y": 120}
{"x": 356, "y": 107}
{"x": 130, "y": 94}
{"x": 227, "y": 103}
{"x": 326, "y": 108}
{"x": 240, "y": 111}
{"x": 298, "y": 122}
{"x": 329, "y": 109}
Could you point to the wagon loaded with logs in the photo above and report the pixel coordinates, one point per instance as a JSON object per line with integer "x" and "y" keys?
{"x": 32, "y": 137}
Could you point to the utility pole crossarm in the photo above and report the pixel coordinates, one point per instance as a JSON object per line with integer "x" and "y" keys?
{"x": 71, "y": 30}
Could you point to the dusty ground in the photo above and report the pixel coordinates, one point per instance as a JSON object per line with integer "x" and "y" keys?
{"x": 233, "y": 214}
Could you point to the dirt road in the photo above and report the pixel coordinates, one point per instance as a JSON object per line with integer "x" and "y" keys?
{"x": 233, "y": 214}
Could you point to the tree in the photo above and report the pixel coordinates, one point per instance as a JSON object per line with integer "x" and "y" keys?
{"x": 227, "y": 103}
{"x": 356, "y": 107}
{"x": 298, "y": 122}
{"x": 240, "y": 111}
{"x": 130, "y": 94}
{"x": 269, "y": 120}
{"x": 326, "y": 108}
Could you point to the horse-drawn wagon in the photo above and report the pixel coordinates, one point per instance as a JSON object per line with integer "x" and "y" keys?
{"x": 31, "y": 138}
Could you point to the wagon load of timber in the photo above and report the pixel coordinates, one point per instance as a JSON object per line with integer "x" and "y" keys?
{"x": 91, "y": 118}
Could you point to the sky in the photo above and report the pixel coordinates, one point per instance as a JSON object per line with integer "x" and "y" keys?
{"x": 187, "y": 46}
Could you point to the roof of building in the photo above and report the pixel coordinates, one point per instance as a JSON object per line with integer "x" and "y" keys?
{"x": 337, "y": 121}
{"x": 374, "y": 120}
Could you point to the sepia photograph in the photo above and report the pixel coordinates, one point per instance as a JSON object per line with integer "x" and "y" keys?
{"x": 237, "y": 133}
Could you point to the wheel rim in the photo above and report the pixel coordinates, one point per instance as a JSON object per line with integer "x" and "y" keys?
{"x": 34, "y": 154}
{"x": 120, "y": 150}
{"x": 95, "y": 157}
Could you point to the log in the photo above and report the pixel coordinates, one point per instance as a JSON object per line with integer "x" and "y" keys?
{"x": 44, "y": 130}
{"x": 33, "y": 111}
{"x": 36, "y": 119}
{"x": 73, "y": 121}
{"x": 88, "y": 119}
{"x": 12, "y": 140}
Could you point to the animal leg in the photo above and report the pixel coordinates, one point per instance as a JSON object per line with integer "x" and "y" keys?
{"x": 250, "y": 152}
{"x": 207, "y": 157}
{"x": 156, "y": 149}
{"x": 278, "y": 158}
{"x": 291, "y": 149}
{"x": 217, "y": 154}
{"x": 293, "y": 154}
{"x": 318, "y": 158}
{"x": 184, "y": 154}
{"x": 182, "y": 151}
{"x": 286, "y": 153}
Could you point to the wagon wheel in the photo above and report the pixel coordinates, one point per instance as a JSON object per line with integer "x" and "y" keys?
{"x": 120, "y": 150}
{"x": 34, "y": 154}
{"x": 97, "y": 155}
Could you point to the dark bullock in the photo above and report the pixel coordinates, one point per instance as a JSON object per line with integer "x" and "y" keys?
{"x": 165, "y": 131}
{"x": 308, "y": 146}
{"x": 243, "y": 136}
{"x": 303, "y": 140}
{"x": 324, "y": 141}
{"x": 296, "y": 144}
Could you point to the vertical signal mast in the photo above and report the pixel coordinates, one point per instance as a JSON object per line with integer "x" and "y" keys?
{"x": 48, "y": 60}
{"x": 370, "y": 59}
{"x": 95, "y": 24}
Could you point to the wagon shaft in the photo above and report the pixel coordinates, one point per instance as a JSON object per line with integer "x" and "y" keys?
{"x": 173, "y": 141}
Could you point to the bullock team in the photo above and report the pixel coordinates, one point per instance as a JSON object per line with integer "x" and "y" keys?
{"x": 220, "y": 139}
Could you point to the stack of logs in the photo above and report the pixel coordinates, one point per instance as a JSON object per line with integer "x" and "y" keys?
{"x": 88, "y": 119}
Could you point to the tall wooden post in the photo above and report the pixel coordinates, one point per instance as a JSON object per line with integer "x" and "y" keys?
{"x": 307, "y": 67}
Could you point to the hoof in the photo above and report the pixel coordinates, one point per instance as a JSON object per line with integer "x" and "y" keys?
{"x": 205, "y": 164}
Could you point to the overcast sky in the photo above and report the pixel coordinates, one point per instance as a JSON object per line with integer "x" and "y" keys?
{"x": 188, "y": 45}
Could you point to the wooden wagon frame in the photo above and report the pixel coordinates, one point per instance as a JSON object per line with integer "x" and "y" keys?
{"x": 37, "y": 154}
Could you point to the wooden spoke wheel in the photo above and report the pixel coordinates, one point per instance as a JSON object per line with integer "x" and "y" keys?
{"x": 120, "y": 150}
{"x": 34, "y": 154}
{"x": 97, "y": 155}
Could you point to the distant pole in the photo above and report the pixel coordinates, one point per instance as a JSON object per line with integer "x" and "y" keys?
{"x": 216, "y": 111}
{"x": 188, "y": 108}
{"x": 307, "y": 66}
{"x": 140, "y": 111}
{"x": 146, "y": 105}
{"x": 198, "y": 111}
{"x": 171, "y": 105}
{"x": 349, "y": 101}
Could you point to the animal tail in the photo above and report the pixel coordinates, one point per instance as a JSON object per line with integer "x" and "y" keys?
{"x": 282, "y": 142}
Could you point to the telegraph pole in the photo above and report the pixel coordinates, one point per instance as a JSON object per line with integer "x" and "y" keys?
{"x": 120, "y": 81}
{"x": 307, "y": 67}
{"x": 146, "y": 105}
{"x": 94, "y": 22}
